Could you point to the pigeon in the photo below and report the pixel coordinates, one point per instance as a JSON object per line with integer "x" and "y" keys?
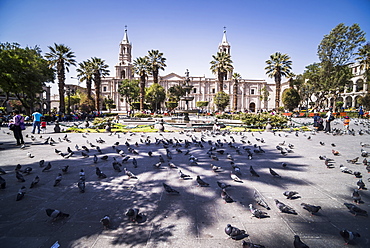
{"x": 19, "y": 177}
{"x": 335, "y": 152}
{"x": 129, "y": 173}
{"x": 284, "y": 208}
{"x": 290, "y": 194}
{"x": 225, "y": 196}
{"x": 21, "y": 193}
{"x": 84, "y": 154}
{"x": 95, "y": 159}
{"x": 157, "y": 165}
{"x": 201, "y": 183}
{"x": 355, "y": 210}
{"x": 253, "y": 172}
{"x": 251, "y": 245}
{"x": 352, "y": 161}
{"x": 260, "y": 201}
{"x": 223, "y": 185}
{"x": 356, "y": 196}
{"x": 133, "y": 214}
{"x": 274, "y": 174}
{"x": 99, "y": 173}
{"x": 65, "y": 168}
{"x": 81, "y": 185}
{"x": 215, "y": 168}
{"x": 183, "y": 176}
{"x": 47, "y": 168}
{"x": 348, "y": 235}
{"x": 58, "y": 179}
{"x": 56, "y": 214}
{"x": 257, "y": 213}
{"x": 105, "y": 221}
{"x": 27, "y": 170}
{"x": 161, "y": 159}
{"x": 134, "y": 162}
{"x": 105, "y": 157}
{"x": 229, "y": 156}
{"x": 312, "y": 209}
{"x": 18, "y": 167}
{"x": 169, "y": 189}
{"x": 2, "y": 183}
{"x": 234, "y": 232}
{"x": 2, "y": 171}
{"x": 85, "y": 148}
{"x": 284, "y": 164}
{"x": 235, "y": 178}
{"x": 41, "y": 163}
{"x": 172, "y": 165}
{"x": 150, "y": 153}
{"x": 345, "y": 169}
{"x": 361, "y": 185}
{"x": 35, "y": 182}
{"x": 298, "y": 243}
{"x": 116, "y": 167}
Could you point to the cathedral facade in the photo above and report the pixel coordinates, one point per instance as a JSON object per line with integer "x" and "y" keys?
{"x": 251, "y": 95}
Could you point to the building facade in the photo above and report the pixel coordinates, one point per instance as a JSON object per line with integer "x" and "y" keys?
{"x": 249, "y": 92}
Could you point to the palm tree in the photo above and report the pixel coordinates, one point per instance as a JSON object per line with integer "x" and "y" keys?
{"x": 236, "y": 76}
{"x": 61, "y": 57}
{"x": 278, "y": 66}
{"x": 221, "y": 65}
{"x": 85, "y": 73}
{"x": 157, "y": 62}
{"x": 141, "y": 68}
{"x": 364, "y": 59}
{"x": 99, "y": 70}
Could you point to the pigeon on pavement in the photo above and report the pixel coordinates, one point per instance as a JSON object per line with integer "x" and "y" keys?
{"x": 257, "y": 213}
{"x": 169, "y": 189}
{"x": 348, "y": 235}
{"x": 274, "y": 173}
{"x": 223, "y": 185}
{"x": 2, "y": 183}
{"x": 260, "y": 201}
{"x": 21, "y": 193}
{"x": 356, "y": 196}
{"x": 35, "y": 182}
{"x": 253, "y": 172}
{"x": 226, "y": 197}
{"x": 105, "y": 221}
{"x": 234, "y": 232}
{"x": 201, "y": 182}
{"x": 58, "y": 179}
{"x": 298, "y": 243}
{"x": 56, "y": 214}
{"x": 290, "y": 194}
{"x": 284, "y": 208}
{"x": 311, "y": 208}
{"x": 251, "y": 245}
{"x": 355, "y": 210}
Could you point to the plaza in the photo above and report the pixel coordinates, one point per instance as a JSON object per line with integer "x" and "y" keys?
{"x": 198, "y": 215}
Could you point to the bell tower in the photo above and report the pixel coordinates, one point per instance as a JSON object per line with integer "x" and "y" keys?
{"x": 224, "y": 46}
{"x": 123, "y": 67}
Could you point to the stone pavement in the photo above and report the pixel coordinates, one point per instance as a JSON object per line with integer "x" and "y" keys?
{"x": 195, "y": 218}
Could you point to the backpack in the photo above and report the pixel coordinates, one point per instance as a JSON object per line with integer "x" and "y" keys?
{"x": 331, "y": 118}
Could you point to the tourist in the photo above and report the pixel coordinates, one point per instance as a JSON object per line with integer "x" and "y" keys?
{"x": 346, "y": 123}
{"x": 43, "y": 126}
{"x": 36, "y": 117}
{"x": 317, "y": 122}
{"x": 360, "y": 112}
{"x": 328, "y": 118}
{"x": 17, "y": 125}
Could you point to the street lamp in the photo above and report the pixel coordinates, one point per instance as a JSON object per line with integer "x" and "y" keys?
{"x": 69, "y": 91}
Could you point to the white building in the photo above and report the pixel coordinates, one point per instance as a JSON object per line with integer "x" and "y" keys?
{"x": 248, "y": 90}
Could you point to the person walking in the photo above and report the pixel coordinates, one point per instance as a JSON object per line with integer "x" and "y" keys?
{"x": 36, "y": 117}
{"x": 18, "y": 124}
{"x": 328, "y": 118}
{"x": 346, "y": 123}
{"x": 360, "y": 111}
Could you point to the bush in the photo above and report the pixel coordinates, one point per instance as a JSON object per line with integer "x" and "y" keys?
{"x": 260, "y": 120}
{"x": 142, "y": 115}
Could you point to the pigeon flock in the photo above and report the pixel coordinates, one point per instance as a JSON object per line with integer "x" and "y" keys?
{"x": 237, "y": 169}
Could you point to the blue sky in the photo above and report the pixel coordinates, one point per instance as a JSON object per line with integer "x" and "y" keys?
{"x": 187, "y": 32}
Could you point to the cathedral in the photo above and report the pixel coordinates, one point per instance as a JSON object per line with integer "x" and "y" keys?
{"x": 249, "y": 95}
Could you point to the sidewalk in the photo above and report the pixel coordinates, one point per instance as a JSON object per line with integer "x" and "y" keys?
{"x": 198, "y": 215}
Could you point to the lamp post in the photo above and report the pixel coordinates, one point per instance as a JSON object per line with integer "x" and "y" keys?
{"x": 68, "y": 91}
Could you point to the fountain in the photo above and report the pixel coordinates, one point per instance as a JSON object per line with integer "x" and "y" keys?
{"x": 187, "y": 98}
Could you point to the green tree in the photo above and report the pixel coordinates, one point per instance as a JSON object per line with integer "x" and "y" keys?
{"x": 221, "y": 100}
{"x": 130, "y": 90}
{"x": 157, "y": 62}
{"x": 291, "y": 98}
{"x": 202, "y": 104}
{"x": 279, "y": 65}
{"x": 175, "y": 92}
{"x": 85, "y": 73}
{"x": 141, "y": 67}
{"x": 99, "y": 70}
{"x": 236, "y": 77}
{"x": 221, "y": 65}
{"x": 336, "y": 50}
{"x": 23, "y": 72}
{"x": 61, "y": 57}
{"x": 155, "y": 95}
{"x": 109, "y": 103}
{"x": 365, "y": 100}
{"x": 364, "y": 59}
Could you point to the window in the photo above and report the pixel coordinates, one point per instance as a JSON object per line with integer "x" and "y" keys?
{"x": 105, "y": 88}
{"x": 252, "y": 91}
{"x": 213, "y": 91}
{"x": 194, "y": 90}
